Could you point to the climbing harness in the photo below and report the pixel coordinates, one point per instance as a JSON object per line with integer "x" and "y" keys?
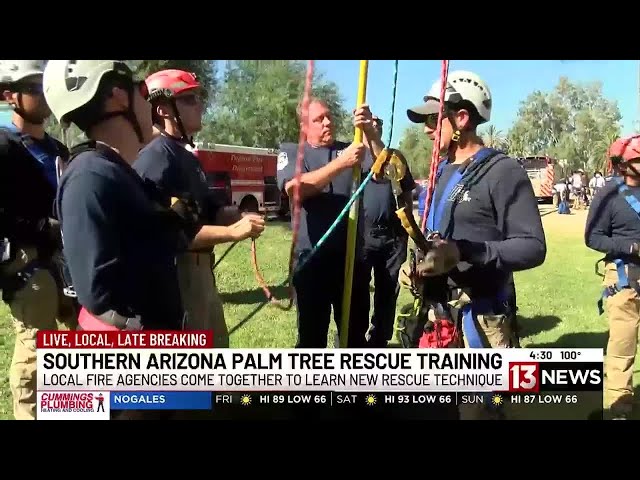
{"x": 49, "y": 162}
{"x": 623, "y": 278}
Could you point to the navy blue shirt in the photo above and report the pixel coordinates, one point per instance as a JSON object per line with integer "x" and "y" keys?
{"x": 380, "y": 202}
{"x": 612, "y": 225}
{"x": 496, "y": 223}
{"x": 176, "y": 172}
{"x": 319, "y": 211}
{"x": 27, "y": 190}
{"x": 118, "y": 243}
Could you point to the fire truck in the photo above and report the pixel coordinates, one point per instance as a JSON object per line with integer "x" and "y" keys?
{"x": 541, "y": 173}
{"x": 242, "y": 176}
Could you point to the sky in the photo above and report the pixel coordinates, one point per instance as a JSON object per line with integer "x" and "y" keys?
{"x": 510, "y": 82}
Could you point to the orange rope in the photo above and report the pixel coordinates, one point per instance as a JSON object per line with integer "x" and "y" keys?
{"x": 296, "y": 204}
{"x": 435, "y": 154}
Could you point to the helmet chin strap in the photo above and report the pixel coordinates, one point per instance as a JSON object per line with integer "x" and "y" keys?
{"x": 26, "y": 116}
{"x": 129, "y": 114}
{"x": 29, "y": 118}
{"x": 185, "y": 138}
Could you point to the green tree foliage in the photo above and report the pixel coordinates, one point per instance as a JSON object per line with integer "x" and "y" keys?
{"x": 257, "y": 102}
{"x": 574, "y": 124}
{"x": 494, "y": 138}
{"x": 417, "y": 148}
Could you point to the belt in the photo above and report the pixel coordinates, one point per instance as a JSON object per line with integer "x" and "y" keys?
{"x": 197, "y": 258}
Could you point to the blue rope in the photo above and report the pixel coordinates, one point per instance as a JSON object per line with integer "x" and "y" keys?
{"x": 362, "y": 186}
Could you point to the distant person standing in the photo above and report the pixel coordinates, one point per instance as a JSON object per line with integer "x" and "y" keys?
{"x": 596, "y": 183}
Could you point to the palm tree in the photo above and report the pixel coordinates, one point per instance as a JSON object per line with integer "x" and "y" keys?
{"x": 493, "y": 138}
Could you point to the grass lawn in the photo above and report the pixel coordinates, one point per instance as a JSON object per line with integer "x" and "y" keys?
{"x": 557, "y": 301}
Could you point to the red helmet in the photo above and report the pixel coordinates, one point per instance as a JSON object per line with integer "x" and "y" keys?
{"x": 625, "y": 149}
{"x": 169, "y": 83}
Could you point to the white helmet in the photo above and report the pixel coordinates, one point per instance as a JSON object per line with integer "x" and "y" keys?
{"x": 71, "y": 84}
{"x": 15, "y": 70}
{"x": 461, "y": 86}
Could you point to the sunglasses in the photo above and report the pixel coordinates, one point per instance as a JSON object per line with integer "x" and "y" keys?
{"x": 191, "y": 99}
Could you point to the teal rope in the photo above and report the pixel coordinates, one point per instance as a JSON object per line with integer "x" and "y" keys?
{"x": 393, "y": 103}
{"x": 303, "y": 261}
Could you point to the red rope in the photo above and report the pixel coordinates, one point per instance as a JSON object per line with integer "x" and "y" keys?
{"x": 296, "y": 204}
{"x": 435, "y": 154}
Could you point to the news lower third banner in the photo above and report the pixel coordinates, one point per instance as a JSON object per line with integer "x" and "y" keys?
{"x": 88, "y": 374}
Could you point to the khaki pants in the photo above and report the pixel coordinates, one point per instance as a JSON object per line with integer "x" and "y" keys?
{"x": 496, "y": 332}
{"x": 200, "y": 297}
{"x": 34, "y": 307}
{"x": 623, "y": 312}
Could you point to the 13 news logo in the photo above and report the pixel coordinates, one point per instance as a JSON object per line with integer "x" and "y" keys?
{"x": 555, "y": 376}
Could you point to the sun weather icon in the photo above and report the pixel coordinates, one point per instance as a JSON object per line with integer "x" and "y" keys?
{"x": 245, "y": 400}
{"x": 497, "y": 399}
{"x": 370, "y": 400}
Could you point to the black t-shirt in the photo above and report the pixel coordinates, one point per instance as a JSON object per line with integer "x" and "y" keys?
{"x": 118, "y": 242}
{"x": 320, "y": 211}
{"x": 176, "y": 172}
{"x": 496, "y": 221}
{"x": 27, "y": 190}
{"x": 612, "y": 225}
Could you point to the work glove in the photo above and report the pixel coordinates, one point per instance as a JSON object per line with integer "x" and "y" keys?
{"x": 440, "y": 259}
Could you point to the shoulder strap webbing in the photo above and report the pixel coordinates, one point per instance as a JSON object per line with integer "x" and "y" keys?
{"x": 630, "y": 198}
{"x": 48, "y": 161}
{"x": 462, "y": 176}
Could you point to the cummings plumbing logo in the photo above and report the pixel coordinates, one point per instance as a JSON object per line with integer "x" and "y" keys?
{"x": 71, "y": 402}
{"x": 74, "y": 405}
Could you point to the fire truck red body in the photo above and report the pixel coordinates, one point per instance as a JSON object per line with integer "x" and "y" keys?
{"x": 242, "y": 176}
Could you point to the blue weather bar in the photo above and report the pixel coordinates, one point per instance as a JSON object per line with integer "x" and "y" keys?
{"x": 160, "y": 400}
